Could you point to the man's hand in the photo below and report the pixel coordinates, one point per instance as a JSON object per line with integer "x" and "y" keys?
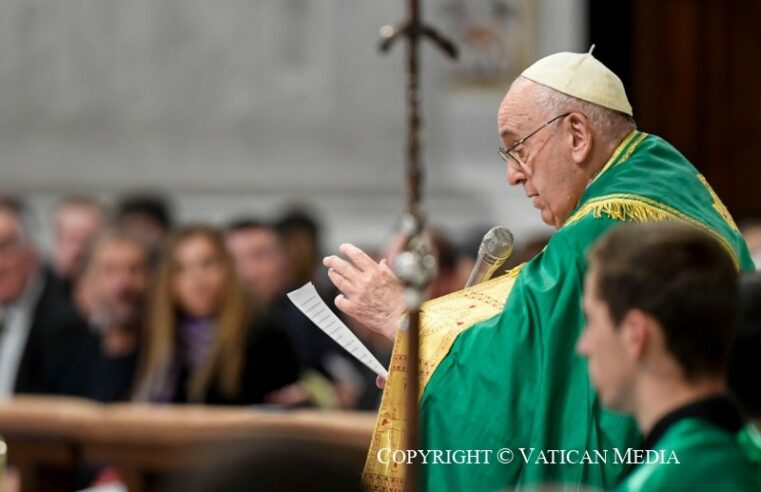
{"x": 290, "y": 396}
{"x": 370, "y": 292}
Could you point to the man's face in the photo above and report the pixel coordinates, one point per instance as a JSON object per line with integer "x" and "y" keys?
{"x": 547, "y": 173}
{"x": 602, "y": 343}
{"x": 16, "y": 259}
{"x": 260, "y": 261}
{"x": 119, "y": 278}
{"x": 74, "y": 227}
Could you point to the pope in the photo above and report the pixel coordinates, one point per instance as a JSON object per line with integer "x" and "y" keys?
{"x": 498, "y": 368}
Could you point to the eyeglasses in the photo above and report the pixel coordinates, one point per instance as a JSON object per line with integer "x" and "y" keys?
{"x": 505, "y": 153}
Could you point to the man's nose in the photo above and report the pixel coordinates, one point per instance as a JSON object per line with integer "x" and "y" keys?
{"x": 514, "y": 175}
{"x": 123, "y": 282}
{"x": 582, "y": 344}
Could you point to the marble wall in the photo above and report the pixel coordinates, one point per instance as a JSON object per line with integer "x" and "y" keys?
{"x": 243, "y": 106}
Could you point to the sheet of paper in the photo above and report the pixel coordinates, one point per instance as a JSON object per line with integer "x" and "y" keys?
{"x": 311, "y": 304}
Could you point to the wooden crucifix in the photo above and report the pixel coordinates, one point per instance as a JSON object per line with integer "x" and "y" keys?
{"x": 415, "y": 265}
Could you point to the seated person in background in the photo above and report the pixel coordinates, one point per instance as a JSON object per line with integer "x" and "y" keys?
{"x": 745, "y": 360}
{"x": 149, "y": 217}
{"x": 260, "y": 259}
{"x": 77, "y": 219}
{"x": 660, "y": 303}
{"x": 262, "y": 264}
{"x": 200, "y": 345}
{"x": 299, "y": 233}
{"x": 111, "y": 296}
{"x": 39, "y": 329}
{"x": 447, "y": 279}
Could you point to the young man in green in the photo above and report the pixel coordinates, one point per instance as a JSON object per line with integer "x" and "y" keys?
{"x": 661, "y": 302}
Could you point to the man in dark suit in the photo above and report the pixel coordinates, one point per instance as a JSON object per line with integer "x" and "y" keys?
{"x": 39, "y": 330}
{"x": 110, "y": 295}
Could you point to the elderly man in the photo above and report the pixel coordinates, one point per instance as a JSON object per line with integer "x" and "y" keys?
{"x": 498, "y": 364}
{"x": 660, "y": 301}
{"x": 39, "y": 330}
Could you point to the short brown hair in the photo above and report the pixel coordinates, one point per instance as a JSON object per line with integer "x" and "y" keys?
{"x": 679, "y": 275}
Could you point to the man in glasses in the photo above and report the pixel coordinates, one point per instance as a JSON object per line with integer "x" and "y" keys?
{"x": 39, "y": 329}
{"x": 499, "y": 368}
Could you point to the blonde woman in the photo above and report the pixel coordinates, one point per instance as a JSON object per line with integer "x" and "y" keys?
{"x": 200, "y": 343}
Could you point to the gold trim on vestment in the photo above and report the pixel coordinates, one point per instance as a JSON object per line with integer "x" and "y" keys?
{"x": 718, "y": 205}
{"x": 627, "y": 207}
{"x": 619, "y": 149}
{"x": 442, "y": 320}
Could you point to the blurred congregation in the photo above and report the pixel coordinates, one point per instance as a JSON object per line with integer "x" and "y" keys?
{"x": 130, "y": 306}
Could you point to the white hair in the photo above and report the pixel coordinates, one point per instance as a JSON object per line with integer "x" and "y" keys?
{"x": 609, "y": 123}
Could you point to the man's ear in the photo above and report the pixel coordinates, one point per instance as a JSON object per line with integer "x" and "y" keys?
{"x": 635, "y": 333}
{"x": 580, "y": 137}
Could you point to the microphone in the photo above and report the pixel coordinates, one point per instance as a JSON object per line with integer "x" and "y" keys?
{"x": 496, "y": 247}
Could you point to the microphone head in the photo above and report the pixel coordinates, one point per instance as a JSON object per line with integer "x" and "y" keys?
{"x": 497, "y": 243}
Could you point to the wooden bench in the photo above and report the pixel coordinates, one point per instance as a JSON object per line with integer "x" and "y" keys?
{"x": 49, "y": 439}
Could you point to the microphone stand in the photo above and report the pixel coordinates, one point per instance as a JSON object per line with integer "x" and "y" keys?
{"x": 415, "y": 265}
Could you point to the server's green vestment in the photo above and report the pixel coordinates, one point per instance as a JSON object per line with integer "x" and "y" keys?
{"x": 498, "y": 366}
{"x": 709, "y": 458}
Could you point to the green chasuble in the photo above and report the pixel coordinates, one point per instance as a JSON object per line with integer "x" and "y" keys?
{"x": 509, "y": 377}
{"x": 709, "y": 458}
